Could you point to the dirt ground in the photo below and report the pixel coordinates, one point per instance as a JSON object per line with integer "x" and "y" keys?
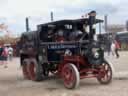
{"x": 12, "y": 83}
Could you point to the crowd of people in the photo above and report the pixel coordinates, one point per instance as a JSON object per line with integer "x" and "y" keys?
{"x": 6, "y": 53}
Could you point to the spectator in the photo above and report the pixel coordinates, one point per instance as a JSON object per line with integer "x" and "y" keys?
{"x": 4, "y": 56}
{"x": 113, "y": 48}
{"x": 116, "y": 48}
{"x": 1, "y": 50}
{"x": 10, "y": 53}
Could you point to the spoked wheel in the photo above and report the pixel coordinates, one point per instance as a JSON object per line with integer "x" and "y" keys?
{"x": 105, "y": 73}
{"x": 34, "y": 71}
{"x": 70, "y": 76}
{"x": 25, "y": 69}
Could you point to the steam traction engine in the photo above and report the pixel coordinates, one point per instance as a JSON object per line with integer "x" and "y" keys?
{"x": 65, "y": 48}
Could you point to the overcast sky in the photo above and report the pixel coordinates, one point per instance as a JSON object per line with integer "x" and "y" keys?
{"x": 13, "y": 12}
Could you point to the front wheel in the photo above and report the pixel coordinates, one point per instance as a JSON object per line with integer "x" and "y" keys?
{"x": 34, "y": 70}
{"x": 105, "y": 73}
{"x": 25, "y": 68}
{"x": 70, "y": 76}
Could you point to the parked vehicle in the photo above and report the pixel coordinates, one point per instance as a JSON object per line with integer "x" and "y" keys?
{"x": 122, "y": 38}
{"x": 66, "y": 49}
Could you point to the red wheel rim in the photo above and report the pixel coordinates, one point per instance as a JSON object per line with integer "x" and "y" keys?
{"x": 105, "y": 73}
{"x": 25, "y": 71}
{"x": 32, "y": 71}
{"x": 68, "y": 76}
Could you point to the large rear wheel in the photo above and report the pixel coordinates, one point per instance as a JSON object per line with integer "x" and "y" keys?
{"x": 34, "y": 70}
{"x": 70, "y": 76}
{"x": 105, "y": 73}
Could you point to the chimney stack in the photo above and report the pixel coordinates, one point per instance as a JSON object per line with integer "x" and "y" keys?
{"x": 27, "y": 24}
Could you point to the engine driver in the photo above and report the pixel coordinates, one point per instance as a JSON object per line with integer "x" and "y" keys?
{"x": 60, "y": 37}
